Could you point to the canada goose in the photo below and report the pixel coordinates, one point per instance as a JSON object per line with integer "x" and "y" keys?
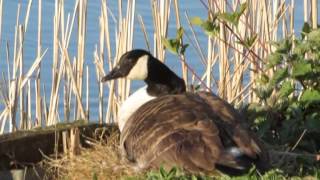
{"x": 198, "y": 132}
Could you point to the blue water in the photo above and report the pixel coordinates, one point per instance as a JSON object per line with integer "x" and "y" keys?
{"x": 143, "y": 8}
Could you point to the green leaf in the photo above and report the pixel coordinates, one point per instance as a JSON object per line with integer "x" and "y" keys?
{"x": 301, "y": 69}
{"x": 243, "y": 7}
{"x": 235, "y": 16}
{"x": 172, "y": 172}
{"x": 286, "y": 89}
{"x": 313, "y": 122}
{"x": 248, "y": 42}
{"x": 314, "y": 36}
{"x": 193, "y": 177}
{"x": 300, "y": 48}
{"x": 163, "y": 172}
{"x": 273, "y": 60}
{"x": 278, "y": 76}
{"x": 171, "y": 44}
{"x": 183, "y": 48}
{"x": 305, "y": 29}
{"x": 95, "y": 176}
{"x": 284, "y": 46}
{"x": 310, "y": 96}
{"x": 263, "y": 92}
{"x": 210, "y": 28}
{"x": 263, "y": 80}
{"x": 180, "y": 32}
{"x": 196, "y": 21}
{"x": 232, "y": 18}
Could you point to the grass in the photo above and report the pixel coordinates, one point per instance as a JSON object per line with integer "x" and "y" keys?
{"x": 103, "y": 161}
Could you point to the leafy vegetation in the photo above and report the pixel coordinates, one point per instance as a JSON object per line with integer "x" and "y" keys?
{"x": 176, "y": 45}
{"x": 288, "y": 113}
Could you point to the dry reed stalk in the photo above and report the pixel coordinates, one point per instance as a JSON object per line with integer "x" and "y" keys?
{"x": 305, "y": 11}
{"x": 20, "y": 59}
{"x": 292, "y": 18}
{"x": 60, "y": 71}
{"x": 210, "y": 53}
{"x": 87, "y": 93}
{"x": 13, "y": 85}
{"x": 28, "y": 109}
{"x": 314, "y": 11}
{"x": 160, "y": 15}
{"x": 102, "y": 19}
{"x": 143, "y": 28}
{"x": 124, "y": 42}
{"x": 38, "y": 78}
{"x": 82, "y": 20}
{"x": 223, "y": 55}
{"x": 45, "y": 107}
{"x": 196, "y": 43}
{"x": 74, "y": 87}
{"x": 110, "y": 111}
{"x": 55, "y": 70}
{"x": 236, "y": 78}
{"x": 182, "y": 56}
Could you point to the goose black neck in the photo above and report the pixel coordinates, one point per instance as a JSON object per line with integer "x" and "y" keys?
{"x": 162, "y": 81}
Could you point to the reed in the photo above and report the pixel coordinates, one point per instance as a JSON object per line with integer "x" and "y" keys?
{"x": 230, "y": 68}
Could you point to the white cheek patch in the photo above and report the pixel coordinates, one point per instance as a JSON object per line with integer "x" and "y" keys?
{"x": 140, "y": 69}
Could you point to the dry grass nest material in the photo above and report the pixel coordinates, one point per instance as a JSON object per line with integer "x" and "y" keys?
{"x": 102, "y": 161}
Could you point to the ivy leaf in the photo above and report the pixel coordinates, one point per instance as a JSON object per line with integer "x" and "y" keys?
{"x": 286, "y": 89}
{"x": 310, "y": 96}
{"x": 278, "y": 76}
{"x": 301, "y": 69}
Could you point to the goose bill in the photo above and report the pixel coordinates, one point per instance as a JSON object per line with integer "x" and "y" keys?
{"x": 114, "y": 74}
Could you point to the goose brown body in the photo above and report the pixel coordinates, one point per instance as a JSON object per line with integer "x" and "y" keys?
{"x": 198, "y": 132}
{"x": 192, "y": 131}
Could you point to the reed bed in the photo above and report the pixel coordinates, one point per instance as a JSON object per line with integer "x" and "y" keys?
{"x": 230, "y": 68}
{"x": 103, "y": 161}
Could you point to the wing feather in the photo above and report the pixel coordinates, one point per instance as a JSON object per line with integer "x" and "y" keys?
{"x": 185, "y": 130}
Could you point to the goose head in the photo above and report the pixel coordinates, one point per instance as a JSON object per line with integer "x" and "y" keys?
{"x": 139, "y": 64}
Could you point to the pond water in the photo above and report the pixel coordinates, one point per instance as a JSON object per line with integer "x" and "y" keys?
{"x": 143, "y": 8}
